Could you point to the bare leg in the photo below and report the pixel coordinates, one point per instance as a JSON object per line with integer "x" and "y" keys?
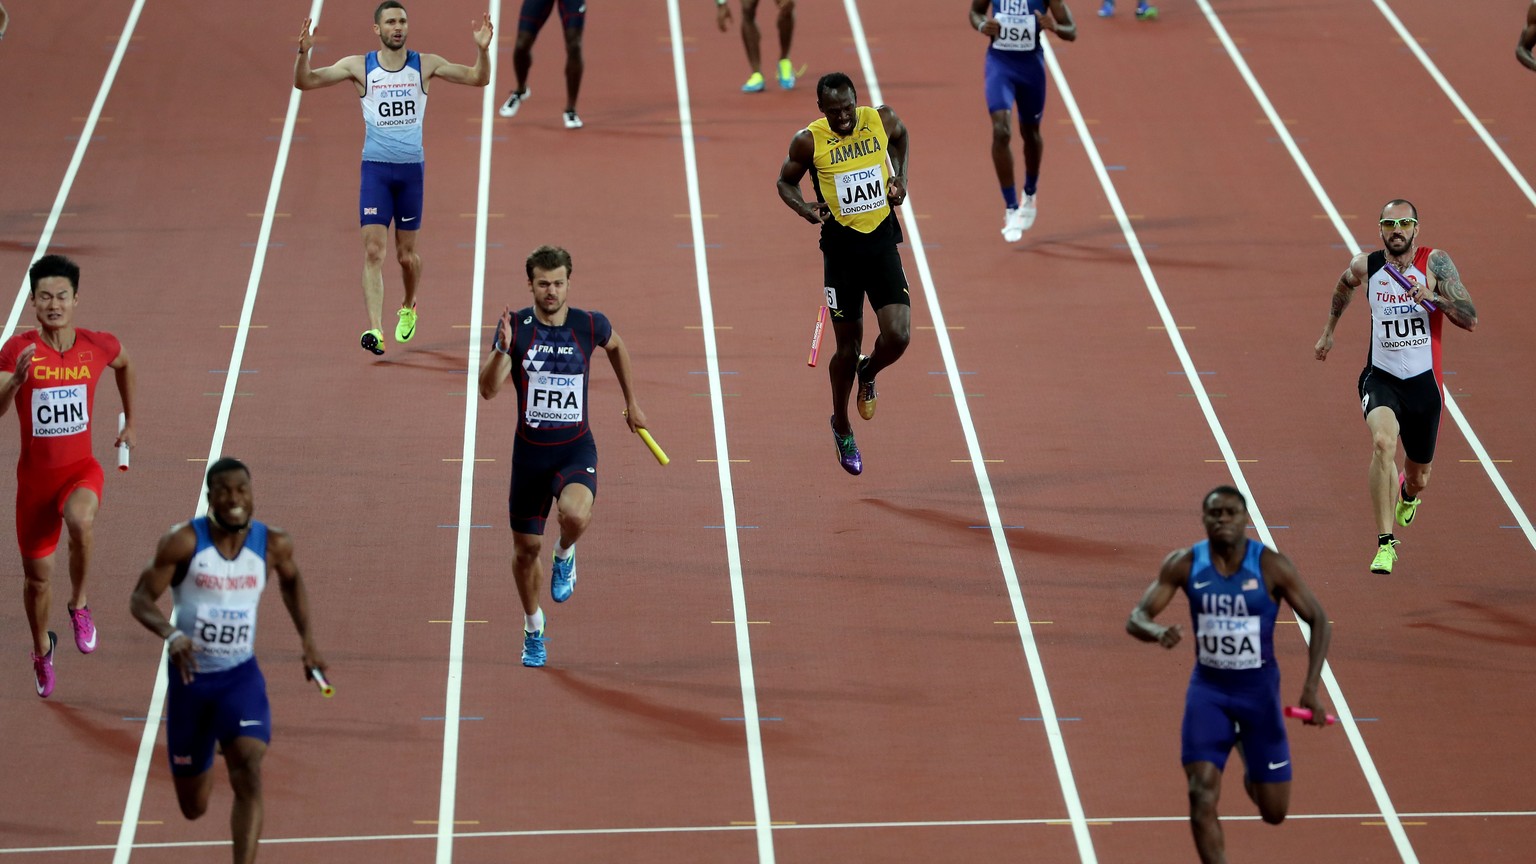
{"x": 1002, "y": 150}
{"x": 575, "y": 513}
{"x": 1415, "y": 477}
{"x": 528, "y": 569}
{"x": 37, "y": 597}
{"x": 1273, "y": 799}
{"x": 1204, "y": 795}
{"x": 1034, "y": 147}
{"x": 244, "y": 757}
{"x": 522, "y": 58}
{"x": 1383, "y": 472}
{"x": 574, "y": 66}
{"x": 410, "y": 266}
{"x": 895, "y": 334}
{"x": 375, "y": 238}
{"x": 751, "y": 37}
{"x": 79, "y": 521}
{"x": 850, "y": 338}
{"x": 192, "y": 793}
{"x": 786, "y": 27}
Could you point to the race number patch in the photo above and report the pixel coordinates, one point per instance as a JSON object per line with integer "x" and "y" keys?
{"x": 1018, "y": 25}
{"x": 224, "y": 632}
{"x": 59, "y": 411}
{"x": 1229, "y": 642}
{"x": 861, "y": 190}
{"x": 554, "y": 397}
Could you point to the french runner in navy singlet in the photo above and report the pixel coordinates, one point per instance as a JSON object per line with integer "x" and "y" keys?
{"x": 1234, "y": 586}
{"x": 392, "y": 85}
{"x": 216, "y": 567}
{"x": 1400, "y": 389}
{"x": 1015, "y": 75}
{"x": 546, "y": 350}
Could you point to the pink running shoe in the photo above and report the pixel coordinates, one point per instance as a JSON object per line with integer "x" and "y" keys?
{"x": 42, "y": 667}
{"x": 85, "y": 629}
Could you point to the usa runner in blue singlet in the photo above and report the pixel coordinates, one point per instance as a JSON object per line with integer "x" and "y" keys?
{"x": 1234, "y": 586}
{"x": 216, "y": 567}
{"x": 546, "y": 350}
{"x": 392, "y": 85}
{"x": 1015, "y": 75}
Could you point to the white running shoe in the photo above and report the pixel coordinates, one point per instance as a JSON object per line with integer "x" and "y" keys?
{"x": 572, "y": 121}
{"x": 1027, "y": 212}
{"x": 1013, "y": 225}
{"x": 514, "y": 102}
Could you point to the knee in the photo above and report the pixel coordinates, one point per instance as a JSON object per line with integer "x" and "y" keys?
{"x": 1384, "y": 443}
{"x": 373, "y": 252}
{"x": 898, "y": 338}
{"x": 1002, "y": 136}
{"x": 575, "y": 522}
{"x": 193, "y": 805}
{"x": 787, "y": 9}
{"x": 1032, "y": 136}
{"x": 406, "y": 257}
{"x": 525, "y": 554}
{"x": 79, "y": 525}
{"x": 524, "y": 43}
{"x": 246, "y": 783}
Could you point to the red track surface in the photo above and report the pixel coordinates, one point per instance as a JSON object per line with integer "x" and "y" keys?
{"x": 888, "y": 660}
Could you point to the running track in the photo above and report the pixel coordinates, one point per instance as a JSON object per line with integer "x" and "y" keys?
{"x": 872, "y": 621}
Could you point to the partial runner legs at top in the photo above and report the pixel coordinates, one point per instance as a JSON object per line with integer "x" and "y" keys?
{"x": 530, "y": 20}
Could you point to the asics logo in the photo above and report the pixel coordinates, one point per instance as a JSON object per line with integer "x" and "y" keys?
{"x": 1277, "y": 765}
{"x": 1202, "y": 584}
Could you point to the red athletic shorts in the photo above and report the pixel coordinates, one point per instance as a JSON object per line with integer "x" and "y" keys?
{"x": 40, "y": 498}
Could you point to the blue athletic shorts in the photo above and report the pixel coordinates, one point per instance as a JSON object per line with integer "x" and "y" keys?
{"x": 392, "y": 191}
{"x": 540, "y": 472}
{"x": 1016, "y": 81}
{"x": 1217, "y": 718}
{"x": 215, "y": 707}
{"x": 573, "y": 14}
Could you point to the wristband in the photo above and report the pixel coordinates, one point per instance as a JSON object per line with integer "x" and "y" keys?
{"x": 172, "y": 636}
{"x": 980, "y": 25}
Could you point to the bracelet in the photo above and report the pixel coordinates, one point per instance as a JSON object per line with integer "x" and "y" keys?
{"x": 172, "y": 636}
{"x": 980, "y": 25}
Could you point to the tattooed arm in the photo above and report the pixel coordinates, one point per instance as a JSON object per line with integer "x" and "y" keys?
{"x": 1343, "y": 292}
{"x": 1447, "y": 292}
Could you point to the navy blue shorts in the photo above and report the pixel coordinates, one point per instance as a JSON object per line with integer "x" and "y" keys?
{"x": 215, "y": 707}
{"x": 392, "y": 191}
{"x": 540, "y": 472}
{"x": 573, "y": 14}
{"x": 1217, "y": 718}
{"x": 1019, "y": 81}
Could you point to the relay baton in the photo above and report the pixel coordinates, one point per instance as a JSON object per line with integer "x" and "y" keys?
{"x": 821, "y": 320}
{"x": 1407, "y": 286}
{"x": 122, "y": 449}
{"x": 318, "y": 677}
{"x": 1306, "y": 714}
{"x": 656, "y": 450}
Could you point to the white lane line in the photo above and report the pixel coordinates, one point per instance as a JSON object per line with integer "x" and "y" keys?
{"x": 809, "y": 826}
{"x": 1451, "y": 94}
{"x": 762, "y": 821}
{"x": 447, "y": 799}
{"x": 1336, "y": 692}
{"x": 126, "y": 833}
{"x": 74, "y": 165}
{"x": 1530, "y": 196}
{"x": 1047, "y": 705}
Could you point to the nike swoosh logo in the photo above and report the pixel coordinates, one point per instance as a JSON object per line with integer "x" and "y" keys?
{"x": 1202, "y": 584}
{"x": 244, "y": 723}
{"x": 91, "y": 644}
{"x": 407, "y": 218}
{"x": 1276, "y": 765}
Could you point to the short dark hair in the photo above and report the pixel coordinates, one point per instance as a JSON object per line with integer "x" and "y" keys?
{"x": 1396, "y": 201}
{"x": 223, "y": 465}
{"x": 54, "y": 265}
{"x": 387, "y": 4}
{"x": 1224, "y": 490}
{"x": 548, "y": 258}
{"x": 834, "y": 81}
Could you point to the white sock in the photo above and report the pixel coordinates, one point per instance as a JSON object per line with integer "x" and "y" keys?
{"x": 561, "y": 551}
{"x": 535, "y": 622}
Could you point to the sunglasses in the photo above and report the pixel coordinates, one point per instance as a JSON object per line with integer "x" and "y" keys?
{"x": 1394, "y": 224}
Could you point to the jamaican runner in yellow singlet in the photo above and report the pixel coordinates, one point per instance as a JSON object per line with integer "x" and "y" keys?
{"x": 859, "y": 155}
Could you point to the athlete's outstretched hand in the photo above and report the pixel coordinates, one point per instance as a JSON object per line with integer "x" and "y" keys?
{"x": 1310, "y": 701}
{"x": 1324, "y": 345}
{"x": 306, "y": 36}
{"x": 723, "y": 17}
{"x": 484, "y": 31}
{"x": 126, "y": 438}
{"x": 313, "y": 660}
{"x": 503, "y": 340}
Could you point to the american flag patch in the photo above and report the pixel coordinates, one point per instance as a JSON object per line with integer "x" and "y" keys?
{"x": 1251, "y": 585}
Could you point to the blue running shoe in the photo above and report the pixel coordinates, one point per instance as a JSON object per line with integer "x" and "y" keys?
{"x": 847, "y": 451}
{"x": 562, "y": 577}
{"x": 533, "y": 648}
{"x": 1146, "y": 13}
{"x": 1107, "y": 9}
